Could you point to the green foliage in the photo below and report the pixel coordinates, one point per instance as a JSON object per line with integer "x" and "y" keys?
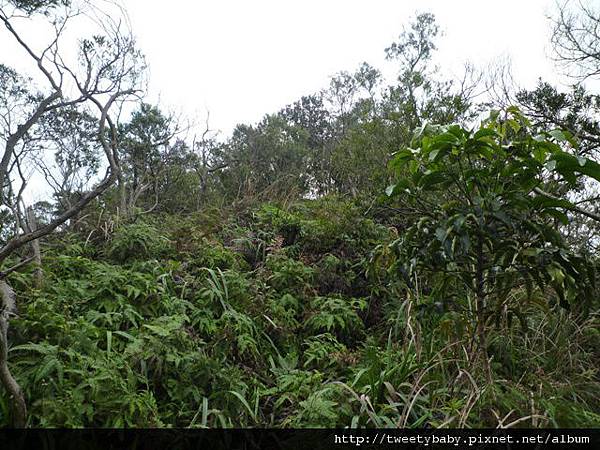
{"x": 289, "y": 276}
{"x": 336, "y": 315}
{"x": 304, "y": 338}
{"x": 326, "y": 226}
{"x": 139, "y": 240}
{"x": 269, "y": 157}
{"x": 263, "y": 280}
{"x": 484, "y": 217}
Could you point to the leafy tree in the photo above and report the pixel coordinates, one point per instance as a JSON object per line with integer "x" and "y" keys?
{"x": 311, "y": 115}
{"x": 418, "y": 95}
{"x": 270, "y": 156}
{"x": 356, "y": 159}
{"x": 145, "y": 141}
{"x": 36, "y": 6}
{"x": 368, "y": 78}
{"x": 183, "y": 182}
{"x": 482, "y": 219}
{"x": 575, "y": 111}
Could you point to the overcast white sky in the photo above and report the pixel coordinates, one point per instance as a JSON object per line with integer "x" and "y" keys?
{"x": 242, "y": 59}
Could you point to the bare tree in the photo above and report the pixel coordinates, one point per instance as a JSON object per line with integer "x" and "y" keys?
{"x": 576, "y": 38}
{"x": 107, "y": 71}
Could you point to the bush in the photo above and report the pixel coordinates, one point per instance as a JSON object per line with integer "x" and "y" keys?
{"x": 138, "y": 241}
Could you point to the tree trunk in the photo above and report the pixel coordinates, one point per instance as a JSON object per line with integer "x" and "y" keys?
{"x": 480, "y": 305}
{"x": 15, "y": 394}
{"x": 38, "y": 274}
{"x": 122, "y": 195}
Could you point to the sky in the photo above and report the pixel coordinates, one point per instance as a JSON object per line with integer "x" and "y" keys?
{"x": 240, "y": 59}
{"x": 243, "y": 59}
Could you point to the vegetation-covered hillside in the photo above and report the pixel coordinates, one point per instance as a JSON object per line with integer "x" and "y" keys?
{"x": 279, "y": 316}
{"x": 376, "y": 254}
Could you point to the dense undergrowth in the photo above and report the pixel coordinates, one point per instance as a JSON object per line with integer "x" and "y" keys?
{"x": 279, "y": 316}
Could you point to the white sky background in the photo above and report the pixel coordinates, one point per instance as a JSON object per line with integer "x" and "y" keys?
{"x": 242, "y": 59}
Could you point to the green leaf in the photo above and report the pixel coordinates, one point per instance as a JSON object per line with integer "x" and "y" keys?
{"x": 431, "y": 179}
{"x": 567, "y": 164}
{"x": 125, "y": 335}
{"x": 558, "y": 135}
{"x": 485, "y": 132}
{"x": 395, "y": 189}
{"x": 108, "y": 341}
{"x": 434, "y": 154}
{"x": 158, "y": 330}
{"x": 401, "y": 158}
{"x": 421, "y": 130}
{"x": 556, "y": 273}
{"x": 445, "y": 141}
{"x": 245, "y": 403}
{"x": 516, "y": 126}
{"x": 541, "y": 201}
{"x": 441, "y": 233}
{"x": 531, "y": 252}
{"x": 558, "y": 215}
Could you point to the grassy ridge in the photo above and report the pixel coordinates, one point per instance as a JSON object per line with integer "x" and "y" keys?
{"x": 279, "y": 317}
